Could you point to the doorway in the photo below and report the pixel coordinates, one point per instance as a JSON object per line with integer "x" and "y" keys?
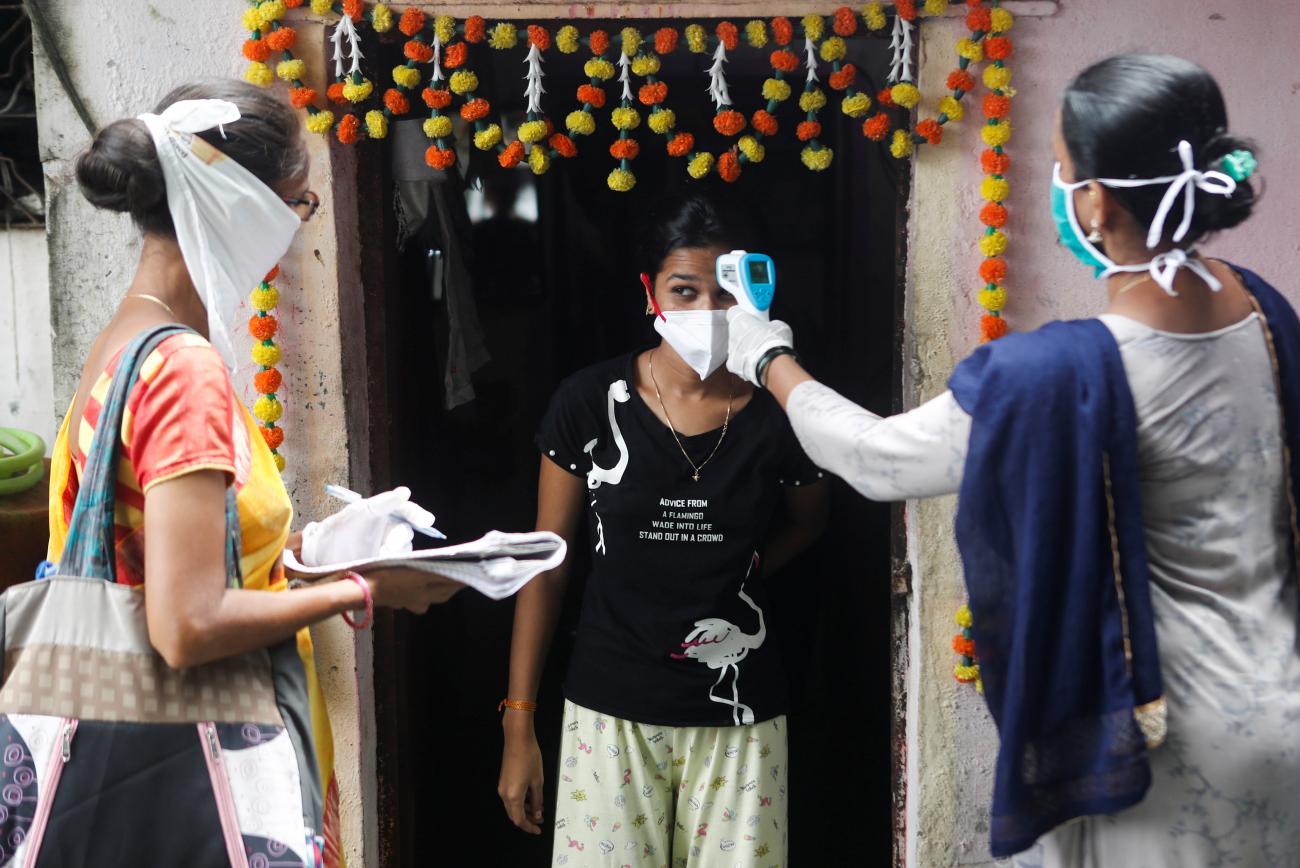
{"x": 456, "y": 384}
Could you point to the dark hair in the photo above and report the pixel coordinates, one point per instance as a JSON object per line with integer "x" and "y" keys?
{"x": 693, "y": 219}
{"x": 120, "y": 171}
{"x": 1124, "y": 117}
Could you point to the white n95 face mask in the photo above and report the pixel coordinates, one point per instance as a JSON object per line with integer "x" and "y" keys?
{"x": 231, "y": 227}
{"x": 698, "y": 336}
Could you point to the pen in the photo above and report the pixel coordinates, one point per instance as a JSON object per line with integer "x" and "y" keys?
{"x": 338, "y": 492}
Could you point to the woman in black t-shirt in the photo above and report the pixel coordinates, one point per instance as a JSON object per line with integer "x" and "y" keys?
{"x": 674, "y": 744}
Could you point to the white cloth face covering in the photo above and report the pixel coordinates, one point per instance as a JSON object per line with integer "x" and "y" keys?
{"x": 698, "y": 336}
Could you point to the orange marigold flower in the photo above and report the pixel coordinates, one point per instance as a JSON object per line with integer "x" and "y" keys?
{"x": 512, "y": 156}
{"x": 599, "y": 41}
{"x": 624, "y": 149}
{"x": 563, "y": 145}
{"x": 418, "y": 51}
{"x": 808, "y": 130}
{"x": 876, "y": 127}
{"x": 455, "y": 55}
{"x": 283, "y": 39}
{"x": 334, "y": 93}
{"x": 993, "y": 214}
{"x": 354, "y": 9}
{"x": 666, "y": 40}
{"x": 653, "y": 93}
{"x": 997, "y": 47}
{"x": 412, "y": 22}
{"x": 784, "y": 61}
{"x": 886, "y": 97}
{"x": 765, "y": 122}
{"x": 960, "y": 79}
{"x": 993, "y": 270}
{"x": 440, "y": 158}
{"x": 436, "y": 98}
{"x": 729, "y": 166}
{"x": 550, "y": 127}
{"x": 256, "y": 50}
{"x": 979, "y": 19}
{"x": 906, "y": 9}
{"x": 931, "y": 129}
{"x": 843, "y": 80}
{"x": 292, "y": 4}
{"x": 396, "y": 101}
{"x": 274, "y": 437}
{"x": 782, "y": 30}
{"x": 263, "y": 327}
{"x": 301, "y": 97}
{"x": 992, "y": 327}
{"x": 475, "y": 29}
{"x": 993, "y": 163}
{"x": 963, "y": 646}
{"x": 589, "y": 94}
{"x": 729, "y": 122}
{"x": 349, "y": 129}
{"x": 271, "y": 275}
{"x": 539, "y": 36}
{"x": 996, "y": 105}
{"x": 846, "y": 22}
{"x": 681, "y": 144}
{"x": 475, "y": 110}
{"x": 267, "y": 381}
{"x": 728, "y": 35}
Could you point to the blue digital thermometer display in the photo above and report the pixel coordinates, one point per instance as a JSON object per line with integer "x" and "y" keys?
{"x": 750, "y": 277}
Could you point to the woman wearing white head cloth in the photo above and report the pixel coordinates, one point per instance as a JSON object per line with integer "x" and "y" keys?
{"x": 217, "y": 181}
{"x": 1127, "y": 511}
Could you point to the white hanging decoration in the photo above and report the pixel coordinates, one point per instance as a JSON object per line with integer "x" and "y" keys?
{"x": 718, "y": 78}
{"x": 436, "y": 60}
{"x": 625, "y": 75}
{"x": 346, "y": 29}
{"x": 810, "y": 58}
{"x": 533, "y": 92}
{"x": 900, "y": 68}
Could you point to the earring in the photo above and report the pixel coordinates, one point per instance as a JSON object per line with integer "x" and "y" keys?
{"x": 1094, "y": 237}
{"x": 649, "y": 308}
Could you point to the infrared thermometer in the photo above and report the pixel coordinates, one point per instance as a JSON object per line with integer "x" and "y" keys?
{"x": 750, "y": 277}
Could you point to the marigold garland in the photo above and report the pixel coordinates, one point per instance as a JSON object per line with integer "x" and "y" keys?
{"x": 263, "y": 326}
{"x": 968, "y": 670}
{"x": 994, "y": 161}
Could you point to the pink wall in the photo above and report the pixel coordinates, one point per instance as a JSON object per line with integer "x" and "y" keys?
{"x": 1248, "y": 47}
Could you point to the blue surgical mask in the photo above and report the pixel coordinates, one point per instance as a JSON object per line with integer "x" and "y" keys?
{"x": 1067, "y": 225}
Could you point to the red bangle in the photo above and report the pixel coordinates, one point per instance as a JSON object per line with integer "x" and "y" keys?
{"x": 517, "y": 705}
{"x": 370, "y": 602}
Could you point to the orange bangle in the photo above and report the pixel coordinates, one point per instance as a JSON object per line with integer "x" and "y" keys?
{"x": 517, "y": 705}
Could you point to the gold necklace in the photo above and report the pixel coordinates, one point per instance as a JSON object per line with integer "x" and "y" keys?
{"x": 1132, "y": 283}
{"x": 156, "y": 300}
{"x": 725, "y": 423}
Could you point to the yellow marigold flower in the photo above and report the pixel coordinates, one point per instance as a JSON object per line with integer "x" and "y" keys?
{"x": 566, "y": 39}
{"x": 625, "y": 118}
{"x": 463, "y": 81}
{"x": 279, "y": 461}
{"x": 598, "y": 68}
{"x": 952, "y": 107}
{"x": 376, "y": 124}
{"x": 532, "y": 131}
{"x": 487, "y": 138}
{"x": 857, "y": 105}
{"x": 503, "y": 36}
{"x": 621, "y": 180}
{"x": 444, "y": 27}
{"x": 833, "y": 49}
{"x": 289, "y": 70}
{"x": 440, "y": 127}
{"x": 409, "y": 78}
{"x": 752, "y": 149}
{"x": 874, "y": 16}
{"x": 631, "y": 38}
{"x": 996, "y": 134}
{"x": 539, "y": 160}
{"x": 322, "y": 7}
{"x": 271, "y": 10}
{"x": 963, "y": 617}
{"x": 381, "y": 18}
{"x": 814, "y": 26}
{"x": 259, "y": 74}
{"x": 267, "y": 409}
{"x": 902, "y": 145}
{"x": 995, "y": 189}
{"x": 812, "y": 100}
{"x": 966, "y": 674}
{"x": 663, "y": 121}
{"x": 993, "y": 299}
{"x": 936, "y": 7}
{"x": 266, "y": 355}
{"x": 251, "y": 20}
{"x": 264, "y": 299}
{"x": 320, "y": 122}
{"x": 645, "y": 64}
{"x": 970, "y": 49}
{"x": 697, "y": 39}
{"x": 700, "y": 165}
{"x": 1002, "y": 20}
{"x": 775, "y": 89}
{"x": 756, "y": 33}
{"x": 818, "y": 160}
{"x": 997, "y": 77}
{"x": 905, "y": 94}
{"x": 994, "y": 244}
{"x": 580, "y": 123}
{"x": 361, "y": 92}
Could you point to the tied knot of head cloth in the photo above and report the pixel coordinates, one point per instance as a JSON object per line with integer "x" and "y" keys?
{"x": 231, "y": 227}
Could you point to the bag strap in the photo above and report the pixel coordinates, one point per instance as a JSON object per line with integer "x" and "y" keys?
{"x": 91, "y": 546}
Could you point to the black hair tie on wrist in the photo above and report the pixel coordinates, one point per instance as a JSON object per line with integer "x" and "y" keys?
{"x": 765, "y": 360}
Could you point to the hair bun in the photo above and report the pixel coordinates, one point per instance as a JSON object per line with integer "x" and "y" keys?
{"x": 121, "y": 172}
{"x": 1217, "y": 212}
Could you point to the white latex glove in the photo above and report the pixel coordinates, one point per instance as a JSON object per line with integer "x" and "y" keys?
{"x": 749, "y": 337}
{"x": 365, "y": 529}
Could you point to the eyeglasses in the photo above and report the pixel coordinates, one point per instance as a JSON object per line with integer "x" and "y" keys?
{"x": 305, "y": 205}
